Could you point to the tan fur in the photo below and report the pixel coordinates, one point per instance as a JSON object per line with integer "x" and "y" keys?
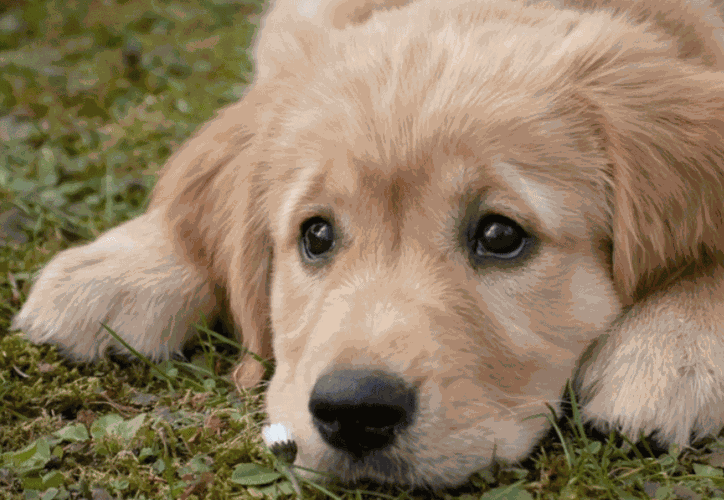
{"x": 596, "y": 125}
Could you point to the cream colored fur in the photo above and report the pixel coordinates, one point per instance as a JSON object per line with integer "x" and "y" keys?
{"x": 597, "y": 125}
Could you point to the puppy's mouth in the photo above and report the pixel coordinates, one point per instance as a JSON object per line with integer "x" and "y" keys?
{"x": 380, "y": 466}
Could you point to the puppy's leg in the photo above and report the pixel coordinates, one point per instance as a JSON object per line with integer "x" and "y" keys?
{"x": 130, "y": 279}
{"x": 662, "y": 366}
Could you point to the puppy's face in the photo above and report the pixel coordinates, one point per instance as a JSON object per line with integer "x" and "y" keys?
{"x": 441, "y": 238}
{"x": 461, "y": 277}
{"x": 443, "y": 274}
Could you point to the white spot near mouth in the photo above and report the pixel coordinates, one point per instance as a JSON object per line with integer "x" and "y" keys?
{"x": 276, "y": 433}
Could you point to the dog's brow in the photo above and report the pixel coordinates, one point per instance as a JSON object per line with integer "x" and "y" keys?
{"x": 537, "y": 196}
{"x": 308, "y": 8}
{"x": 455, "y": 176}
{"x": 306, "y": 186}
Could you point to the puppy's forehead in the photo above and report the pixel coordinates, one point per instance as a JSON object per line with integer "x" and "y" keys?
{"x": 430, "y": 117}
{"x": 440, "y": 184}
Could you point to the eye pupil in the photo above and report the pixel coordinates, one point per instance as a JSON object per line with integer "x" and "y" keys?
{"x": 317, "y": 237}
{"x": 498, "y": 236}
{"x": 501, "y": 238}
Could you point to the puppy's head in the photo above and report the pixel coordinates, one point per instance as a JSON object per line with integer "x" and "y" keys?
{"x": 434, "y": 219}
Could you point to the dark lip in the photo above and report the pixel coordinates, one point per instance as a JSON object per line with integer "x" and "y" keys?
{"x": 377, "y": 466}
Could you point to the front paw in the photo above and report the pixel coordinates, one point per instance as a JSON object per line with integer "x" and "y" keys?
{"x": 658, "y": 374}
{"x": 128, "y": 279}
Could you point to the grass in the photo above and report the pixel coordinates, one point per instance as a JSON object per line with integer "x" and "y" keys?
{"x": 94, "y": 97}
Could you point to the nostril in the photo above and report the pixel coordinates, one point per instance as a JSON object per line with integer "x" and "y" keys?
{"x": 374, "y": 416}
{"x": 361, "y": 410}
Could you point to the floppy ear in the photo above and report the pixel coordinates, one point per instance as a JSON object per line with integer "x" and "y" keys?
{"x": 662, "y": 124}
{"x": 213, "y": 211}
{"x": 658, "y": 368}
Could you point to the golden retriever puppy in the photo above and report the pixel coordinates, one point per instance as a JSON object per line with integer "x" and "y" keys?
{"x": 433, "y": 214}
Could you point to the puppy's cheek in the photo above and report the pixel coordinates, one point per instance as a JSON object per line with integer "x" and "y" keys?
{"x": 593, "y": 302}
{"x": 293, "y": 306}
{"x": 513, "y": 439}
{"x": 501, "y": 428}
{"x": 287, "y": 404}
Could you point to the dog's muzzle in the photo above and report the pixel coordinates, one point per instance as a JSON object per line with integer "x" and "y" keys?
{"x": 361, "y": 410}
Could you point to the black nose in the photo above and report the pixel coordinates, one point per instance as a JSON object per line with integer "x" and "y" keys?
{"x": 361, "y": 410}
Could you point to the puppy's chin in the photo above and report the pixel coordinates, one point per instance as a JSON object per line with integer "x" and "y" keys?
{"x": 398, "y": 465}
{"x": 392, "y": 465}
{"x": 431, "y": 453}
{"x": 383, "y": 467}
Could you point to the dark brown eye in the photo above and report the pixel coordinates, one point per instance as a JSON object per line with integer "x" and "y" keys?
{"x": 317, "y": 237}
{"x": 498, "y": 236}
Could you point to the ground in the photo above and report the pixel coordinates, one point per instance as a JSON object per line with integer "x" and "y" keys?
{"x": 94, "y": 96}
